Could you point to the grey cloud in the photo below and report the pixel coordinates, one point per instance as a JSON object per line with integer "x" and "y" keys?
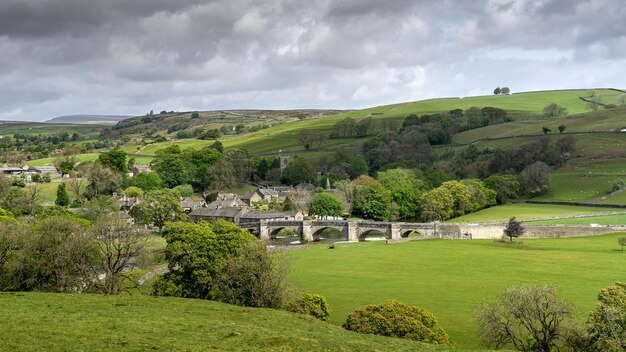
{"x": 125, "y": 57}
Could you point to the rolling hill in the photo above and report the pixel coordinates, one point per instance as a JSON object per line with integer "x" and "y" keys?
{"x": 89, "y": 119}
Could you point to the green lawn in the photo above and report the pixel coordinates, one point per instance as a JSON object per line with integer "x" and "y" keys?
{"x": 525, "y": 211}
{"x": 614, "y": 220}
{"x": 71, "y": 322}
{"x": 451, "y": 278}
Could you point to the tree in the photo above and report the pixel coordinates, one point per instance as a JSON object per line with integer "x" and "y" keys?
{"x": 562, "y": 128}
{"x": 147, "y": 181}
{"x": 622, "y": 242}
{"x": 554, "y": 110}
{"x": 185, "y": 191}
{"x": 607, "y": 323}
{"x": 254, "y": 277}
{"x": 497, "y": 91}
{"x": 101, "y": 180}
{"x": 301, "y": 198}
{"x": 196, "y": 254}
{"x": 76, "y": 186}
{"x": 406, "y": 188}
{"x": 546, "y": 130}
{"x": 326, "y": 204}
{"x": 461, "y": 196}
{"x": 121, "y": 246}
{"x": 392, "y": 318}
{"x": 505, "y": 90}
{"x": 115, "y": 160}
{"x": 594, "y": 101}
{"x": 535, "y": 178}
{"x": 169, "y": 166}
{"x": 513, "y": 229}
{"x": 133, "y": 192}
{"x": 195, "y": 115}
{"x": 310, "y": 304}
{"x": 299, "y": 170}
{"x": 221, "y": 175}
{"x": 63, "y": 199}
{"x": 507, "y": 187}
{"x": 158, "y": 207}
{"x": 66, "y": 160}
{"x": 437, "y": 205}
{"x": 528, "y": 318}
{"x": 370, "y": 199}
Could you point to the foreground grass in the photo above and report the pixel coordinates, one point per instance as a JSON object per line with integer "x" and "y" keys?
{"x": 64, "y": 322}
{"x": 452, "y": 278}
{"x": 525, "y": 211}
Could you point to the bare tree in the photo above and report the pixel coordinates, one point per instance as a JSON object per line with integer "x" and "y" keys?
{"x": 301, "y": 199}
{"x": 33, "y": 197}
{"x": 76, "y": 186}
{"x": 121, "y": 247}
{"x": 528, "y": 318}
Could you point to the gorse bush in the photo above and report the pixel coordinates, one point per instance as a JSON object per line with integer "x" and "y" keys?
{"x": 392, "y": 318}
{"x": 310, "y": 304}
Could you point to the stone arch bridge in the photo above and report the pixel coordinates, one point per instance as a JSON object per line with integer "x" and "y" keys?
{"x": 310, "y": 230}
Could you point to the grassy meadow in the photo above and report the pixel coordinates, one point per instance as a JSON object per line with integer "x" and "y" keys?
{"x": 81, "y": 322}
{"x": 452, "y": 278}
{"x": 527, "y": 211}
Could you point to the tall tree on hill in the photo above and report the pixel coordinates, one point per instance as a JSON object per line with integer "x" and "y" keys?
{"x": 497, "y": 91}
{"x": 299, "y": 170}
{"x": 115, "y": 160}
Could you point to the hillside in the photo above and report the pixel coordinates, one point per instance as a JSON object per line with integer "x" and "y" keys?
{"x": 66, "y": 322}
{"x": 89, "y": 119}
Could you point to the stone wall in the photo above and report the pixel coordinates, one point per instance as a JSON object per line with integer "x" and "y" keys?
{"x": 495, "y": 231}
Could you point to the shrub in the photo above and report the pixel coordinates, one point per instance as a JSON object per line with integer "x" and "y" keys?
{"x": 310, "y": 304}
{"x": 607, "y": 323}
{"x": 392, "y": 318}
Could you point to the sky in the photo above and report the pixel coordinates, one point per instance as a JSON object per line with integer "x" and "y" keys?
{"x": 121, "y": 57}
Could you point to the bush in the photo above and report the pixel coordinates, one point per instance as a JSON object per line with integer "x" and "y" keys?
{"x": 310, "y": 304}
{"x": 392, "y": 318}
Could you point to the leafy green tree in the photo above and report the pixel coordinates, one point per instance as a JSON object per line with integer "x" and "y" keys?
{"x": 254, "y": 277}
{"x": 562, "y": 128}
{"x": 288, "y": 205}
{"x": 184, "y": 190}
{"x": 370, "y": 199}
{"x": 437, "y": 205}
{"x": 607, "y": 323}
{"x": 505, "y": 90}
{"x": 299, "y": 170}
{"x": 159, "y": 207}
{"x": 392, "y": 318}
{"x": 461, "y": 196}
{"x": 6, "y": 215}
{"x": 262, "y": 168}
{"x": 481, "y": 196}
{"x": 546, "y": 130}
{"x": 115, "y": 160}
{"x": 526, "y": 318}
{"x": 195, "y": 115}
{"x": 63, "y": 199}
{"x": 133, "y": 191}
{"x": 326, "y": 204}
{"x": 147, "y": 181}
{"x": 170, "y": 167}
{"x": 196, "y": 254}
{"x": 497, "y": 91}
{"x": 310, "y": 304}
{"x": 406, "y": 188}
{"x": 507, "y": 187}
{"x": 197, "y": 164}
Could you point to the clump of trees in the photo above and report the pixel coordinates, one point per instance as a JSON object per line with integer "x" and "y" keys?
{"x": 554, "y": 110}
{"x": 392, "y": 318}
{"x": 326, "y": 204}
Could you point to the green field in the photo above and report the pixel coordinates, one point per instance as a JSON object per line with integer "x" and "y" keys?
{"x": 451, "y": 278}
{"x": 68, "y": 322}
{"x": 614, "y": 220}
{"x": 526, "y": 211}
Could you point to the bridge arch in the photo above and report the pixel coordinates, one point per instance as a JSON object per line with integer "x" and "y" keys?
{"x": 274, "y": 230}
{"x": 318, "y": 230}
{"x": 406, "y": 233}
{"x": 363, "y": 234}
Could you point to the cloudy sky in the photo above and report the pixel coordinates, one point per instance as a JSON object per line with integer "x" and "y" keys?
{"x": 60, "y": 57}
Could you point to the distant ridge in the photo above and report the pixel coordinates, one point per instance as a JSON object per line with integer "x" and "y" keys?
{"x": 89, "y": 119}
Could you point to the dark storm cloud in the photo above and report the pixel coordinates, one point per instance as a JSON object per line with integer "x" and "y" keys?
{"x": 128, "y": 57}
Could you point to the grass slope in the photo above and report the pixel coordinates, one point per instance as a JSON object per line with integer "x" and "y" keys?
{"x": 605, "y": 220}
{"x": 66, "y": 322}
{"x": 452, "y": 278}
{"x": 526, "y": 211}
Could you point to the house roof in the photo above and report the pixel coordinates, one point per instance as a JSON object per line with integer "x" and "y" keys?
{"x": 268, "y": 192}
{"x": 268, "y": 214}
{"x": 223, "y": 212}
{"x": 249, "y": 195}
{"x": 190, "y": 203}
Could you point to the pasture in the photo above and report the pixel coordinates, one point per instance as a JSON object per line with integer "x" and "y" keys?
{"x": 452, "y": 278}
{"x": 62, "y": 322}
{"x": 526, "y": 211}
